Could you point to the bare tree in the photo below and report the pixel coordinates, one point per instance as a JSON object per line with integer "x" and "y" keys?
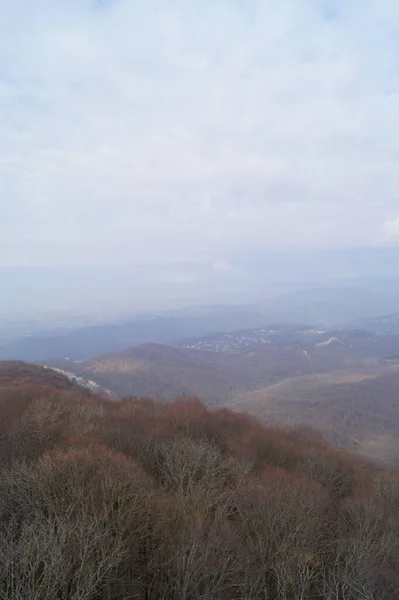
{"x": 77, "y": 517}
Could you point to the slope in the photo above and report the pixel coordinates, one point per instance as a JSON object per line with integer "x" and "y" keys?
{"x": 19, "y": 373}
{"x": 355, "y": 409}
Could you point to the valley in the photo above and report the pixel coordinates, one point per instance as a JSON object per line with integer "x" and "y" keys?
{"x": 343, "y": 382}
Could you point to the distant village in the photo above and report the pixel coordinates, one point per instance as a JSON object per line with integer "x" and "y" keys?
{"x": 235, "y": 342}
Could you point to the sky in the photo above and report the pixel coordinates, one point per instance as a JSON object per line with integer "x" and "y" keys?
{"x": 199, "y": 140}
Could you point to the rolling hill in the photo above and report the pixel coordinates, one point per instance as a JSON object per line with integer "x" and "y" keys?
{"x": 216, "y": 367}
{"x": 164, "y": 371}
{"x": 19, "y": 374}
{"x": 343, "y": 382}
{"x": 354, "y": 409}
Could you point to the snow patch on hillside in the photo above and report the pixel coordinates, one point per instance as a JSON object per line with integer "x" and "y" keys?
{"x": 332, "y": 340}
{"x": 87, "y": 384}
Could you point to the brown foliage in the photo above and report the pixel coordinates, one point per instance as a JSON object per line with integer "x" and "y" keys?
{"x": 138, "y": 499}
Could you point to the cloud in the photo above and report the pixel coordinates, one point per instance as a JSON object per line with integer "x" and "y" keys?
{"x": 222, "y": 266}
{"x": 390, "y": 231}
{"x": 143, "y": 132}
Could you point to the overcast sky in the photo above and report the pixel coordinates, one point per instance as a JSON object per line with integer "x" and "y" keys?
{"x": 188, "y": 133}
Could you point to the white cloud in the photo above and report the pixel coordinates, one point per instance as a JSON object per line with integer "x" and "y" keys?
{"x": 390, "y": 231}
{"x": 147, "y": 132}
{"x": 222, "y": 266}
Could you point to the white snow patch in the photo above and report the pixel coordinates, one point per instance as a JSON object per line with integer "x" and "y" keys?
{"x": 332, "y": 340}
{"x": 88, "y": 384}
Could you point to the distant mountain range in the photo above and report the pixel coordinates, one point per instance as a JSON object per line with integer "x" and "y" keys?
{"x": 324, "y": 308}
{"x": 380, "y": 324}
{"x": 164, "y": 328}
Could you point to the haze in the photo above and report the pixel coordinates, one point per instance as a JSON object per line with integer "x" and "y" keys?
{"x": 166, "y": 152}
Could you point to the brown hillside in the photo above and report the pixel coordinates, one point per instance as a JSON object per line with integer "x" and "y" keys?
{"x": 358, "y": 410}
{"x": 164, "y": 371}
{"x": 18, "y": 373}
{"x": 109, "y": 501}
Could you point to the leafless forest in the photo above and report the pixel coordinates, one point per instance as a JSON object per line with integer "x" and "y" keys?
{"x": 139, "y": 499}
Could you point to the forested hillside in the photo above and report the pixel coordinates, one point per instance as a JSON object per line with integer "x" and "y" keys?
{"x": 344, "y": 383}
{"x": 136, "y": 499}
